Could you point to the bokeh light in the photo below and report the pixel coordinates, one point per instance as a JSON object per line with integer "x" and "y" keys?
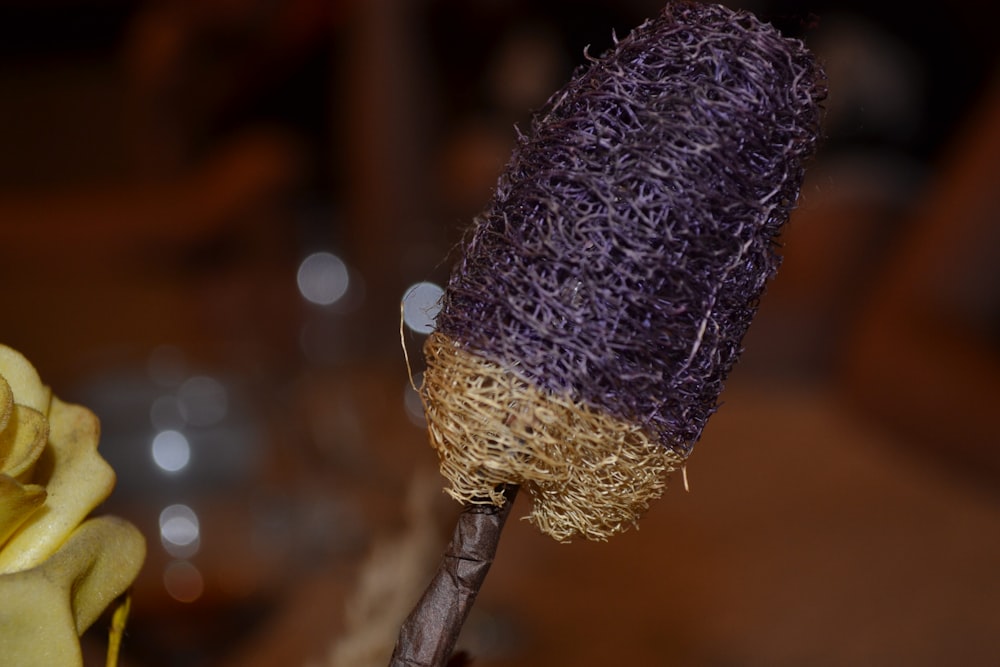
{"x": 180, "y": 531}
{"x": 323, "y": 278}
{"x": 183, "y": 581}
{"x": 171, "y": 450}
{"x": 203, "y": 400}
{"x": 421, "y": 303}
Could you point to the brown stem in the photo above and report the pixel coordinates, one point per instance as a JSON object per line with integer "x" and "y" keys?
{"x": 428, "y": 635}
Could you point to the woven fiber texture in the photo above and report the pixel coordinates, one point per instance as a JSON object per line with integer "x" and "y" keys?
{"x": 589, "y": 474}
{"x": 630, "y": 237}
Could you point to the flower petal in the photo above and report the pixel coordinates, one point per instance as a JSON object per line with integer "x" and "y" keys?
{"x": 6, "y": 402}
{"x": 23, "y": 380}
{"x": 22, "y": 442}
{"x": 17, "y": 502}
{"x": 46, "y": 608}
{"x": 77, "y": 480}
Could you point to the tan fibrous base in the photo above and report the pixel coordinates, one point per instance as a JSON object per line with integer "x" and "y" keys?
{"x": 589, "y": 475}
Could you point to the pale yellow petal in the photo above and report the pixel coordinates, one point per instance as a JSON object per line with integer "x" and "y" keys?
{"x": 23, "y": 380}
{"x": 37, "y": 628}
{"x": 22, "y": 442}
{"x": 46, "y": 608}
{"x": 77, "y": 480}
{"x": 17, "y": 502}
{"x": 6, "y": 402}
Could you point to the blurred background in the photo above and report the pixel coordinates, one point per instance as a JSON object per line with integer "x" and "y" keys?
{"x": 210, "y": 211}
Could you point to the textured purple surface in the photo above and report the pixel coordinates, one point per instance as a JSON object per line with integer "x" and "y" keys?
{"x": 630, "y": 237}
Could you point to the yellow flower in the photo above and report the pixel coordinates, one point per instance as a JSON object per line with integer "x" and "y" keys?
{"x": 59, "y": 569}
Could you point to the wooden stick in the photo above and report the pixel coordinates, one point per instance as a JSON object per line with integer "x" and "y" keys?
{"x": 428, "y": 635}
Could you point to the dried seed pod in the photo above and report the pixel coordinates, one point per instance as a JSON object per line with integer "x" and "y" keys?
{"x": 602, "y": 296}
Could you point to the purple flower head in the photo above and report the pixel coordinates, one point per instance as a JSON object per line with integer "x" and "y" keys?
{"x": 632, "y": 233}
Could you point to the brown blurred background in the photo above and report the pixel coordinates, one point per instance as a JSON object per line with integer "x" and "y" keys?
{"x": 210, "y": 210}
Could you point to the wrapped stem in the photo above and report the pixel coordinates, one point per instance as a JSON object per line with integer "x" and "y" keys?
{"x": 428, "y": 635}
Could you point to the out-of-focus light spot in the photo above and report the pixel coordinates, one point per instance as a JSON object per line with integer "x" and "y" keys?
{"x": 171, "y": 450}
{"x": 165, "y": 413}
{"x": 183, "y": 581}
{"x": 323, "y": 278}
{"x": 412, "y": 403}
{"x": 180, "y": 531}
{"x": 421, "y": 303}
{"x": 203, "y": 400}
